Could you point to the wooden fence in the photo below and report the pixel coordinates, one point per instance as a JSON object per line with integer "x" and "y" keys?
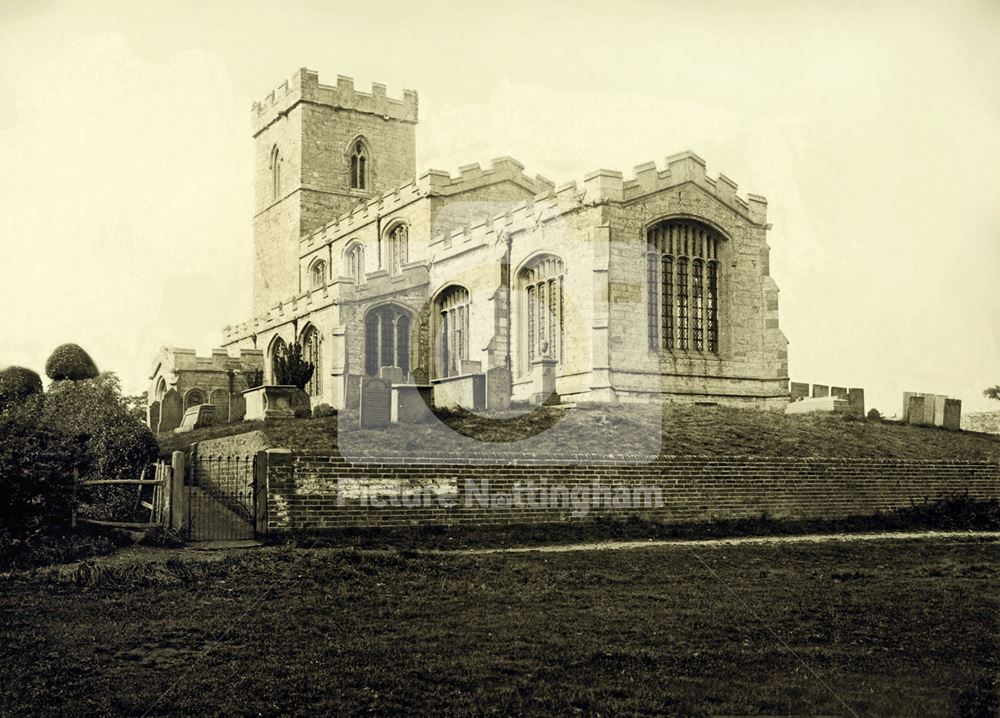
{"x": 165, "y": 504}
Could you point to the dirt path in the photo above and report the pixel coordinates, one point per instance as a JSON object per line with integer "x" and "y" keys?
{"x": 735, "y": 541}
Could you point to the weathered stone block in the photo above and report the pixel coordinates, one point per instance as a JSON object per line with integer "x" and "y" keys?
{"x": 820, "y": 390}
{"x": 197, "y": 417}
{"x": 411, "y": 404}
{"x": 498, "y": 389}
{"x": 818, "y": 404}
{"x": 466, "y": 392}
{"x": 799, "y": 390}
{"x": 271, "y": 401}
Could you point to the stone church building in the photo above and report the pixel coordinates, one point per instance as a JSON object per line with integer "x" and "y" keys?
{"x": 653, "y": 287}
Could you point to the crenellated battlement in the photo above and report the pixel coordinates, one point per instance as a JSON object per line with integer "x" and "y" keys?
{"x": 472, "y": 176}
{"x": 304, "y": 86}
{"x": 185, "y": 359}
{"x": 610, "y": 185}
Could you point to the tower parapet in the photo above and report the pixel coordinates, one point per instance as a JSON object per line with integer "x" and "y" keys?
{"x": 304, "y": 86}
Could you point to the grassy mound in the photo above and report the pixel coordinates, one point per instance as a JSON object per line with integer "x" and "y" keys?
{"x": 675, "y": 430}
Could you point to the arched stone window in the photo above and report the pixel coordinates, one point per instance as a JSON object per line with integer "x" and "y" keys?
{"x": 387, "y": 339}
{"x": 312, "y": 351}
{"x": 540, "y": 292}
{"x": 354, "y": 263}
{"x": 193, "y": 398}
{"x": 276, "y": 349}
{"x": 682, "y": 286}
{"x": 317, "y": 274}
{"x": 399, "y": 248}
{"x": 360, "y": 165}
{"x": 275, "y": 167}
{"x": 453, "y": 330}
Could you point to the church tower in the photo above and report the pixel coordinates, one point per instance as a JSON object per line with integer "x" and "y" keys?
{"x": 319, "y": 150}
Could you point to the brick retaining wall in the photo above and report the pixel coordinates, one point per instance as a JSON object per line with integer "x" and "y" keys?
{"x": 313, "y": 490}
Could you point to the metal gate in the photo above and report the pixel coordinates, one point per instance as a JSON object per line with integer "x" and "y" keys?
{"x": 221, "y": 498}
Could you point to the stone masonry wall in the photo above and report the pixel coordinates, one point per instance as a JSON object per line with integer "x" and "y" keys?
{"x": 317, "y": 491}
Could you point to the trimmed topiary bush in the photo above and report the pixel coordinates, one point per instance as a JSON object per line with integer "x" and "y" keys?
{"x": 17, "y": 384}
{"x": 71, "y": 362}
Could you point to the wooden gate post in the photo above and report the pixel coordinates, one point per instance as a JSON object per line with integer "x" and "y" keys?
{"x": 178, "y": 496}
{"x": 260, "y": 492}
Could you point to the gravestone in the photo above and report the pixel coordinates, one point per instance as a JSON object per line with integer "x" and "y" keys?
{"x": 196, "y": 417}
{"x": 952, "y": 414}
{"x": 839, "y": 391}
{"x": 471, "y": 367}
{"x": 170, "y": 411}
{"x": 419, "y": 376}
{"x": 410, "y": 403}
{"x": 543, "y": 381}
{"x": 827, "y": 404}
{"x": 856, "y": 398}
{"x": 498, "y": 389}
{"x": 219, "y": 398}
{"x": 820, "y": 390}
{"x": 798, "y": 390}
{"x": 375, "y": 403}
{"x": 915, "y": 410}
{"x": 153, "y": 416}
{"x": 391, "y": 374}
{"x": 352, "y": 391}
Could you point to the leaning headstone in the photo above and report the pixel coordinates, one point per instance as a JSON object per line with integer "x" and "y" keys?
{"x": 391, "y": 374}
{"x": 798, "y": 390}
{"x": 952, "y": 414}
{"x": 375, "y": 403}
{"x": 153, "y": 415}
{"x": 856, "y": 398}
{"x": 820, "y": 390}
{"x": 171, "y": 412}
{"x": 498, "y": 389}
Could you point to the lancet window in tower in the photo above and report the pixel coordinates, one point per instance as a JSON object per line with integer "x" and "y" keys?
{"x": 359, "y": 166}
{"x": 399, "y": 248}
{"x": 683, "y": 296}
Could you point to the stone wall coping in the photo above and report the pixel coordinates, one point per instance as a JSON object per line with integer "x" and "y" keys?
{"x": 569, "y": 459}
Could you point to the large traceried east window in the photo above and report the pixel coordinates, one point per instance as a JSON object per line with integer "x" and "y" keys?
{"x": 354, "y": 261}
{"x": 359, "y": 165}
{"x": 540, "y": 288}
{"x": 453, "y": 308}
{"x": 399, "y": 248}
{"x": 682, "y": 286}
{"x": 387, "y": 339}
{"x": 312, "y": 351}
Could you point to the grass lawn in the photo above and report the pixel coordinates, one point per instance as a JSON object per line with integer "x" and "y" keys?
{"x": 873, "y": 628}
{"x": 672, "y": 429}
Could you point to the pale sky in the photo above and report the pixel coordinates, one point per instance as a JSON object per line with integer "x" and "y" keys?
{"x": 872, "y": 128}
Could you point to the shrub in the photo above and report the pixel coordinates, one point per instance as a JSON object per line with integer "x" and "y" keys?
{"x": 71, "y": 362}
{"x": 17, "y": 384}
{"x": 36, "y": 475}
{"x": 118, "y": 445}
{"x": 291, "y": 368}
{"x": 323, "y": 410}
{"x": 874, "y": 414}
{"x": 254, "y": 378}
